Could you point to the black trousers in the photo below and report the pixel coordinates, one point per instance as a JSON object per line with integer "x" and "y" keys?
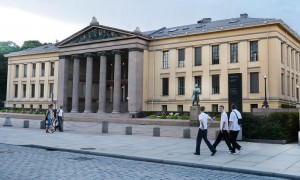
{"x": 222, "y": 135}
{"x": 203, "y": 134}
{"x": 233, "y": 135}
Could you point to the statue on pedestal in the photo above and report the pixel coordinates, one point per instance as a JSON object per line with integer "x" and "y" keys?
{"x": 196, "y": 93}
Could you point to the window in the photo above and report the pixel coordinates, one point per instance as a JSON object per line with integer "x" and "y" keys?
{"x": 165, "y": 59}
{"x": 288, "y": 85}
{"x": 254, "y": 83}
{"x": 52, "y": 66}
{"x": 293, "y": 90}
{"x": 296, "y": 61}
{"x": 253, "y": 106}
{"x": 215, "y": 84}
{"x": 41, "y": 90}
{"x": 16, "y": 90}
{"x": 180, "y": 108}
{"x": 181, "y": 85}
{"x": 164, "y": 108}
{"x": 181, "y": 55}
{"x": 165, "y": 86}
{"x": 22, "y": 106}
{"x": 25, "y": 70}
{"x": 233, "y": 52}
{"x": 32, "y": 90}
{"x": 24, "y": 90}
{"x": 50, "y": 90}
{"x": 17, "y": 71}
{"x": 282, "y": 48}
{"x": 198, "y": 81}
{"x": 282, "y": 84}
{"x": 214, "y": 108}
{"x": 287, "y": 56}
{"x": 292, "y": 58}
{"x": 43, "y": 69}
{"x": 254, "y": 51}
{"x": 14, "y": 106}
{"x": 40, "y": 106}
{"x": 33, "y": 70}
{"x": 31, "y": 106}
{"x": 215, "y": 54}
{"x": 198, "y": 60}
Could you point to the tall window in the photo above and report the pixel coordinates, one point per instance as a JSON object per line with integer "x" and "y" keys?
{"x": 43, "y": 69}
{"x": 164, "y": 108}
{"x": 41, "y": 90}
{"x": 288, "y": 85}
{"x": 282, "y": 48}
{"x": 198, "y": 80}
{"x": 282, "y": 84}
{"x": 32, "y": 90}
{"x": 215, "y": 54}
{"x": 233, "y": 52}
{"x": 198, "y": 60}
{"x": 181, "y": 55}
{"x": 181, "y": 84}
{"x": 215, "y": 84}
{"x": 33, "y": 70}
{"x": 254, "y": 82}
{"x": 24, "y": 90}
{"x": 17, "y": 71}
{"x": 52, "y": 66}
{"x": 25, "y": 70}
{"x": 292, "y": 59}
{"x": 287, "y": 55}
{"x": 180, "y": 108}
{"x": 254, "y": 51}
{"x": 214, "y": 107}
{"x": 165, "y": 86}
{"x": 296, "y": 61}
{"x": 16, "y": 90}
{"x": 293, "y": 86}
{"x": 50, "y": 90}
{"x": 165, "y": 60}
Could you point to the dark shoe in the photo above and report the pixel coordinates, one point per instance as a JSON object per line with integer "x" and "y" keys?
{"x": 213, "y": 153}
{"x": 240, "y": 148}
{"x": 196, "y": 153}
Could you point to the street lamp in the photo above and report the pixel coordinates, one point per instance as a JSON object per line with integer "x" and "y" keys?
{"x": 265, "y": 103}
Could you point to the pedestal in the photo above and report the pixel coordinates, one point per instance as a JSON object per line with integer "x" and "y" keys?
{"x": 194, "y": 113}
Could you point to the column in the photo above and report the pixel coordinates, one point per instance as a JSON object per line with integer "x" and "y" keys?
{"x": 117, "y": 82}
{"x": 75, "y": 97}
{"x": 102, "y": 82}
{"x": 135, "y": 80}
{"x": 88, "y": 83}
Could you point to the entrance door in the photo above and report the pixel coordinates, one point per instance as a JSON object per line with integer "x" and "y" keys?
{"x": 235, "y": 90}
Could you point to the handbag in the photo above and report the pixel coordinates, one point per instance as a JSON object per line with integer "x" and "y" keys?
{"x": 239, "y": 119}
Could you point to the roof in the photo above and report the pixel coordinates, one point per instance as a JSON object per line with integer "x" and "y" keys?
{"x": 37, "y": 50}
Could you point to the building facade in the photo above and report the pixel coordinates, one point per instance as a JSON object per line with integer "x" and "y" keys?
{"x": 104, "y": 69}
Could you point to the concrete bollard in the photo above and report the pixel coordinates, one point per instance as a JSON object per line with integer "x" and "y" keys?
{"x": 7, "y": 122}
{"x": 26, "y": 124}
{"x": 240, "y": 135}
{"x": 43, "y": 124}
{"x": 104, "y": 127}
{"x": 187, "y": 133}
{"x": 298, "y": 137}
{"x": 128, "y": 130}
{"x": 156, "y": 131}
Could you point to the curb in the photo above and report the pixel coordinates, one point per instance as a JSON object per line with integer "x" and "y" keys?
{"x": 186, "y": 164}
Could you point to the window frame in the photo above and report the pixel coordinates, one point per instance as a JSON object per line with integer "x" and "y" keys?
{"x": 234, "y": 54}
{"x": 254, "y": 51}
{"x": 215, "y": 52}
{"x": 215, "y": 90}
{"x": 198, "y": 56}
{"x": 253, "y": 88}
{"x": 181, "y": 86}
{"x": 181, "y": 54}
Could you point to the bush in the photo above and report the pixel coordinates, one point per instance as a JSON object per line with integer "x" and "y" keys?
{"x": 163, "y": 116}
{"x": 185, "y": 117}
{"x": 152, "y": 116}
{"x": 276, "y": 126}
{"x": 173, "y": 117}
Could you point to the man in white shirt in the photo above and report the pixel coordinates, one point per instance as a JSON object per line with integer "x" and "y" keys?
{"x": 234, "y": 128}
{"x": 223, "y": 134}
{"x": 59, "y": 116}
{"x": 202, "y": 132}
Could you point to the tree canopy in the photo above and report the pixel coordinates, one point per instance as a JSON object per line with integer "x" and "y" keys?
{"x": 31, "y": 44}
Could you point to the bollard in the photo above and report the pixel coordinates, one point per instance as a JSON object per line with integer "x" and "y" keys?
{"x": 240, "y": 135}
{"x": 299, "y": 137}
{"x": 128, "y": 130}
{"x": 43, "y": 124}
{"x": 104, "y": 127}
{"x": 156, "y": 131}
{"x": 7, "y": 122}
{"x": 26, "y": 124}
{"x": 187, "y": 133}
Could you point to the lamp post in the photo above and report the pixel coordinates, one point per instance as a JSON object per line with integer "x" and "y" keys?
{"x": 297, "y": 93}
{"x": 265, "y": 103}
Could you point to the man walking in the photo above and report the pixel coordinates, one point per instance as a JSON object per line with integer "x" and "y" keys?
{"x": 202, "y": 132}
{"x": 59, "y": 116}
{"x": 234, "y": 128}
{"x": 223, "y": 134}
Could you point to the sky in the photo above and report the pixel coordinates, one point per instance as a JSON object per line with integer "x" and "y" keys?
{"x": 54, "y": 20}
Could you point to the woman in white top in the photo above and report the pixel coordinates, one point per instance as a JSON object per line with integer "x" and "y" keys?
{"x": 234, "y": 128}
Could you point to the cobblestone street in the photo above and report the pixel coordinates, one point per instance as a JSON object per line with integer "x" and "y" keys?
{"x": 30, "y": 163}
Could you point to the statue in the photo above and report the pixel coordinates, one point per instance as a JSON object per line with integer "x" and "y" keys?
{"x": 195, "y": 96}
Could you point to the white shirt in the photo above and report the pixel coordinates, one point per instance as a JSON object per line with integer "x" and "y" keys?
{"x": 234, "y": 115}
{"x": 224, "y": 120}
{"x": 204, "y": 118}
{"x": 60, "y": 112}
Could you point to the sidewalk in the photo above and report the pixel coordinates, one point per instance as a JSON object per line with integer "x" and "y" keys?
{"x": 254, "y": 158}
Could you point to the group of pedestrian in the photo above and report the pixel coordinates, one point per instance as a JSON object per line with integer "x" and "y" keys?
{"x": 54, "y": 119}
{"x": 229, "y": 130}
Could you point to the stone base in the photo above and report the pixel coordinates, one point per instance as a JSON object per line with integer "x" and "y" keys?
{"x": 194, "y": 113}
{"x": 7, "y": 122}
{"x": 240, "y": 135}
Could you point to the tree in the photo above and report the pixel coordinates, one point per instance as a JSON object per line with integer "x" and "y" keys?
{"x": 31, "y": 44}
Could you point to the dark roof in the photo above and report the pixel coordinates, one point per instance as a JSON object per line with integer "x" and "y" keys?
{"x": 37, "y": 50}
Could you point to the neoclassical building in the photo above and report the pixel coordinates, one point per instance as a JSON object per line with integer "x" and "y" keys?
{"x": 109, "y": 70}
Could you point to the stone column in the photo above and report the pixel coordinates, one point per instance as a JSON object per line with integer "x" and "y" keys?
{"x": 117, "y": 82}
{"x": 62, "y": 96}
{"x": 102, "y": 82}
{"x": 76, "y": 72}
{"x": 88, "y": 83}
{"x": 135, "y": 80}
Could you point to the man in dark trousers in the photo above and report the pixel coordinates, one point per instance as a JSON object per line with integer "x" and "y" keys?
{"x": 223, "y": 134}
{"x": 234, "y": 128}
{"x": 202, "y": 132}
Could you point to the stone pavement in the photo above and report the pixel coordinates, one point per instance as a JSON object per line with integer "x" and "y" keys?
{"x": 257, "y": 158}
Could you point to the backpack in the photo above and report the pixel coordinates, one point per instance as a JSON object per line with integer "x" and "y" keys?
{"x": 239, "y": 119}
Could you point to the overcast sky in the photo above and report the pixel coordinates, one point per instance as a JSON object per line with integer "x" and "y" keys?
{"x": 51, "y": 20}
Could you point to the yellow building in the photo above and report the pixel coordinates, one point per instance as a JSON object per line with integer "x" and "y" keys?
{"x": 104, "y": 69}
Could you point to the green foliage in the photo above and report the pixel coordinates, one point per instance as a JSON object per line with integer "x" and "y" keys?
{"x": 287, "y": 106}
{"x": 185, "y": 117}
{"x": 163, "y": 116}
{"x": 173, "y": 117}
{"x": 152, "y": 116}
{"x": 31, "y": 44}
